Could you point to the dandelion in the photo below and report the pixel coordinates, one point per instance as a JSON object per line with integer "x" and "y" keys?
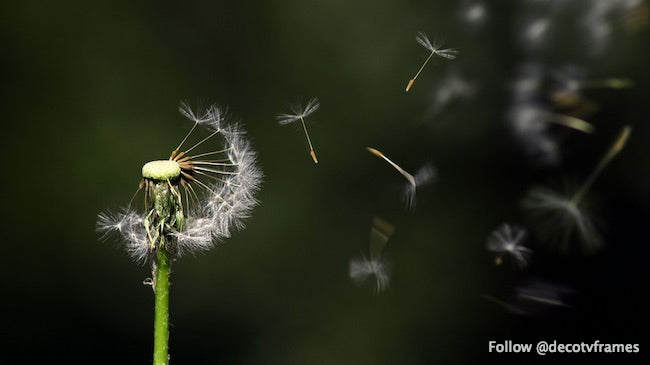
{"x": 191, "y": 200}
{"x": 426, "y": 174}
{"x": 434, "y": 48}
{"x": 507, "y": 240}
{"x": 300, "y": 113}
{"x": 364, "y": 268}
{"x": 561, "y": 216}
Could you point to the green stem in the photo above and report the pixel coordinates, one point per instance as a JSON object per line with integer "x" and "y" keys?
{"x": 161, "y": 316}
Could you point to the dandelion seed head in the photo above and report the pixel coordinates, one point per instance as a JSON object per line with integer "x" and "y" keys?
{"x": 508, "y": 240}
{"x": 208, "y": 194}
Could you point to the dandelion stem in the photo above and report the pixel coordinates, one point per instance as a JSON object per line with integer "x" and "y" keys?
{"x": 617, "y": 146}
{"x": 410, "y": 84}
{"x": 161, "y": 316}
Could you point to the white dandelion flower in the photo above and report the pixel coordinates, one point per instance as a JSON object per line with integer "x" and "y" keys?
{"x": 507, "y": 240}
{"x": 561, "y": 216}
{"x": 436, "y": 49}
{"x": 376, "y": 266}
{"x": 300, "y": 113}
{"x": 425, "y": 175}
{"x": 193, "y": 199}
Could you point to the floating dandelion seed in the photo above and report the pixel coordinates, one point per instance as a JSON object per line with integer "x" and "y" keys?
{"x": 544, "y": 293}
{"x": 435, "y": 48}
{"x": 453, "y": 87}
{"x": 561, "y": 216}
{"x": 599, "y": 18}
{"x": 534, "y": 298}
{"x": 300, "y": 113}
{"x": 507, "y": 241}
{"x": 363, "y": 268}
{"x": 426, "y": 174}
{"x": 510, "y": 307}
{"x": 474, "y": 12}
{"x": 191, "y": 200}
{"x": 536, "y": 30}
{"x": 570, "y": 83}
{"x": 531, "y": 119}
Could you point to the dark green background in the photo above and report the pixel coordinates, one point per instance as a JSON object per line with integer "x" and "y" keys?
{"x": 90, "y": 92}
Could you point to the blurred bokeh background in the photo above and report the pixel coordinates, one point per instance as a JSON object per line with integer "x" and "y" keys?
{"x": 90, "y": 92}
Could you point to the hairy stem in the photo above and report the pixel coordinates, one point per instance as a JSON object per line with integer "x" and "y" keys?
{"x": 161, "y": 316}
